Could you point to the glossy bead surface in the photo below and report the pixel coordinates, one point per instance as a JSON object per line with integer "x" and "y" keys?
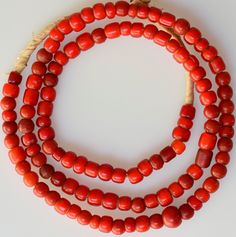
{"x": 171, "y": 217}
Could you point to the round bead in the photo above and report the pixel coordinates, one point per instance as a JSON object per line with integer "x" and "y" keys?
{"x": 142, "y": 224}
{"x": 171, "y": 217}
{"x": 211, "y": 184}
{"x": 164, "y": 197}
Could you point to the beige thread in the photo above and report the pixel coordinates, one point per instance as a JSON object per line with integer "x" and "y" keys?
{"x": 25, "y": 54}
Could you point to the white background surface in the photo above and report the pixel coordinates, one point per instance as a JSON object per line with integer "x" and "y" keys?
{"x": 116, "y": 103}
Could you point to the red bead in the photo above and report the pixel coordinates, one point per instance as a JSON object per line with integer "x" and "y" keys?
{"x": 39, "y": 68}
{"x": 26, "y": 126}
{"x": 187, "y": 111}
{"x": 225, "y": 92}
{"x": 23, "y": 167}
{"x": 76, "y": 22}
{"x": 195, "y": 171}
{"x": 91, "y": 169}
{"x": 164, "y": 197}
{"x": 46, "y": 171}
{"x": 118, "y": 227}
{"x": 134, "y": 175}
{"x": 51, "y": 45}
{"x": 45, "y": 108}
{"x": 222, "y": 158}
{"x": 58, "y": 179}
{"x": 203, "y": 85}
{"x": 137, "y": 30}
{"x": 167, "y": 154}
{"x": 156, "y": 162}
{"x": 211, "y": 184}
{"x": 185, "y": 123}
{"x": 62, "y": 206}
{"x": 41, "y": 190}
{"x": 99, "y": 11}
{"x": 39, "y": 160}
{"x": 156, "y": 221}
{"x": 207, "y": 141}
{"x": 70, "y": 186}
{"x": 171, "y": 217}
{"x": 84, "y": 217}
{"x": 73, "y": 211}
{"x": 211, "y": 111}
{"x": 217, "y": 65}
{"x": 52, "y": 197}
{"x": 133, "y": 9}
{"x": 124, "y": 203}
{"x": 44, "y": 56}
{"x": 58, "y": 153}
{"x": 99, "y": 36}
{"x": 194, "y": 203}
{"x": 208, "y": 98}
{"x": 30, "y": 179}
{"x": 9, "y": 116}
{"x": 145, "y": 167}
{"x": 17, "y": 154}
{"x": 14, "y": 78}
{"x": 48, "y": 93}
{"x": 60, "y": 58}
{"x": 227, "y": 120}
{"x": 151, "y": 201}
{"x": 142, "y": 12}
{"x": 33, "y": 150}
{"x": 95, "y": 221}
{"x": 176, "y": 190}
{"x": 161, "y": 38}
{"x": 142, "y": 224}
{"x": 186, "y": 181}
{"x": 223, "y": 78}
{"x": 210, "y": 53}
{"x": 64, "y": 26}
{"x": 85, "y": 41}
{"x": 8, "y": 103}
{"x": 178, "y": 146}
{"x": 225, "y": 144}
{"x": 130, "y": 224}
{"x": 81, "y": 193}
{"x": 110, "y": 201}
{"x": 181, "y": 26}
{"x": 186, "y": 211}
{"x": 50, "y": 79}
{"x": 9, "y": 127}
{"x": 149, "y": 31}
{"x": 80, "y": 164}
{"x": 46, "y": 133}
{"x": 87, "y": 15}
{"x": 112, "y": 30}
{"x": 105, "y": 172}
{"x": 31, "y": 97}
{"x": 71, "y": 50}
{"x": 138, "y": 205}
{"x": 154, "y": 14}
{"x": 181, "y": 55}
{"x": 105, "y": 225}
{"x": 49, "y": 147}
{"x": 191, "y": 64}
{"x": 192, "y": 36}
{"x": 226, "y": 107}
{"x": 10, "y": 90}
{"x": 122, "y": 8}
{"x": 201, "y": 45}
{"x": 55, "y": 68}
{"x": 198, "y": 74}
{"x": 11, "y": 141}
{"x": 181, "y": 134}
{"x": 69, "y": 159}
{"x": 95, "y": 197}
{"x": 34, "y": 82}
{"x": 167, "y": 19}
{"x": 27, "y": 111}
{"x": 125, "y": 28}
{"x": 110, "y": 10}
{"x": 173, "y": 45}
{"x": 212, "y": 126}
{"x": 202, "y": 195}
{"x": 56, "y": 35}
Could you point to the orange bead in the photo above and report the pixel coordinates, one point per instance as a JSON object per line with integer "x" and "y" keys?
{"x": 30, "y": 179}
